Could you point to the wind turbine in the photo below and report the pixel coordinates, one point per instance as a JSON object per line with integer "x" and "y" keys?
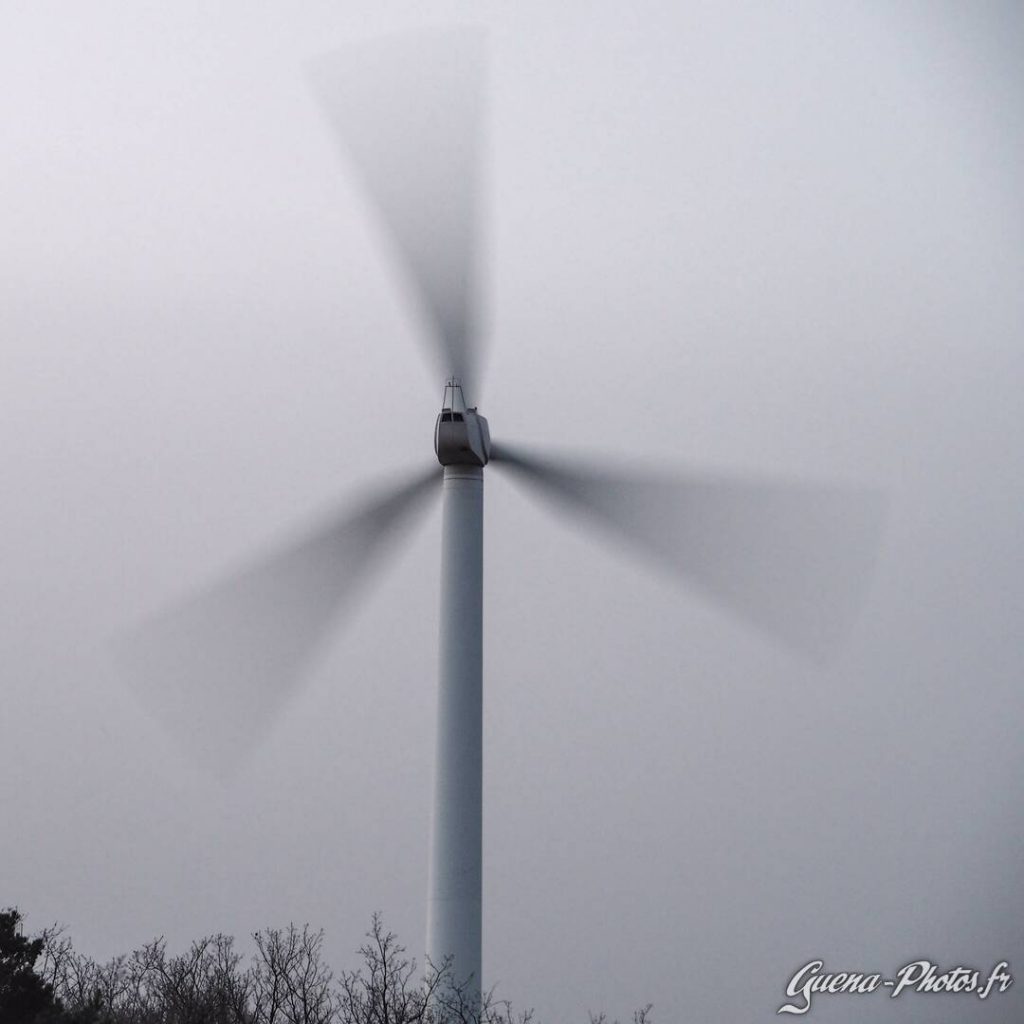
{"x": 791, "y": 558}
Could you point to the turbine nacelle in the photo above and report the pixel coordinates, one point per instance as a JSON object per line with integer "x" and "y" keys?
{"x": 461, "y": 437}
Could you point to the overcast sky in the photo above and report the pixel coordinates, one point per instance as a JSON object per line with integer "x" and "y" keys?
{"x": 780, "y": 238}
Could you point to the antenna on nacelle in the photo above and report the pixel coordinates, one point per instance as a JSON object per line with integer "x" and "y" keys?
{"x": 454, "y": 399}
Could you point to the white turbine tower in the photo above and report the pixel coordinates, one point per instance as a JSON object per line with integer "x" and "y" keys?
{"x": 456, "y": 869}
{"x": 790, "y": 558}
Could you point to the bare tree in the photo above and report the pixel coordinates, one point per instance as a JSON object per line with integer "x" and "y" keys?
{"x": 286, "y": 982}
{"x": 201, "y": 986}
{"x": 387, "y": 989}
{"x": 641, "y": 1016}
{"x": 289, "y": 982}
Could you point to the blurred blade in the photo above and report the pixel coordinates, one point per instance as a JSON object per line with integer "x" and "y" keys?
{"x": 407, "y": 109}
{"x": 793, "y": 558}
{"x": 217, "y": 668}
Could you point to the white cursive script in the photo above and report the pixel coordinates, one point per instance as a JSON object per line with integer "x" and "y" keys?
{"x": 810, "y": 979}
{"x": 918, "y": 976}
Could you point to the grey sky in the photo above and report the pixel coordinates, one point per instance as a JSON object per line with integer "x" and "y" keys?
{"x": 779, "y": 238}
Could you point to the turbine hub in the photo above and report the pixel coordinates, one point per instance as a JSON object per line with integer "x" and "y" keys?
{"x": 461, "y": 437}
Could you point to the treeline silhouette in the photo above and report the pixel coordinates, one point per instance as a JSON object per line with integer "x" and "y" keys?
{"x": 43, "y": 980}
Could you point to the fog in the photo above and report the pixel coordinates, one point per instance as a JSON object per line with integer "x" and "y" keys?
{"x": 778, "y": 239}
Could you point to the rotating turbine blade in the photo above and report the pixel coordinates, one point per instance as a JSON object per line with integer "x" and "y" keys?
{"x": 407, "y": 109}
{"x": 792, "y": 558}
{"x": 218, "y": 667}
